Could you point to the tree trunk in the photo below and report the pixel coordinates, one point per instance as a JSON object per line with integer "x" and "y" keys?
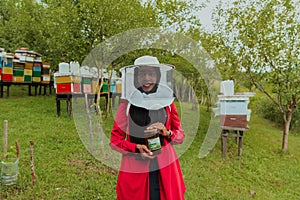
{"x": 202, "y": 101}
{"x": 183, "y": 88}
{"x": 177, "y": 91}
{"x": 208, "y": 102}
{"x": 286, "y": 130}
{"x": 194, "y": 98}
{"x": 190, "y": 94}
{"x": 208, "y": 97}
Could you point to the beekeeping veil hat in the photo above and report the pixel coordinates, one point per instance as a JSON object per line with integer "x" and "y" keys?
{"x": 162, "y": 97}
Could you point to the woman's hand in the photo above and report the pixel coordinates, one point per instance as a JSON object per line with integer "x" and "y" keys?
{"x": 144, "y": 151}
{"x": 161, "y": 129}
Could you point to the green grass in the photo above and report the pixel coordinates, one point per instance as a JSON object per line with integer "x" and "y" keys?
{"x": 66, "y": 170}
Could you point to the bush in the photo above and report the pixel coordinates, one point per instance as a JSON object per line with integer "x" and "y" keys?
{"x": 265, "y": 108}
{"x": 295, "y": 125}
{"x": 268, "y": 110}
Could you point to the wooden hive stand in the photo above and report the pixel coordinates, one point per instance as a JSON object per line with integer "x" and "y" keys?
{"x": 236, "y": 133}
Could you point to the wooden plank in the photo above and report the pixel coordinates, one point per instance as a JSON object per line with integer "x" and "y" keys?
{"x": 234, "y": 128}
{"x": 237, "y": 121}
{"x": 5, "y": 137}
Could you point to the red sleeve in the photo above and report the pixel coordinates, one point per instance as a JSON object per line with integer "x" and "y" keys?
{"x": 175, "y": 126}
{"x": 118, "y": 139}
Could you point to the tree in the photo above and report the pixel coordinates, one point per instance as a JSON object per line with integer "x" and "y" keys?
{"x": 20, "y": 24}
{"x": 79, "y": 26}
{"x": 177, "y": 15}
{"x": 68, "y": 30}
{"x": 261, "y": 40}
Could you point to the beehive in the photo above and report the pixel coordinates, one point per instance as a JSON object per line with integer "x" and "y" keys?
{"x": 7, "y": 69}
{"x": 46, "y": 75}
{"x": 18, "y": 72}
{"x": 37, "y": 72}
{"x": 233, "y": 107}
{"x": 21, "y": 54}
{"x": 86, "y": 79}
{"x": 66, "y": 83}
{"x": 87, "y": 84}
{"x": 95, "y": 85}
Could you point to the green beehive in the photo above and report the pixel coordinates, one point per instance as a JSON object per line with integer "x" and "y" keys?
{"x": 36, "y": 73}
{"x": 27, "y": 78}
{"x": 105, "y": 86}
{"x": 18, "y": 72}
{"x": 86, "y": 80}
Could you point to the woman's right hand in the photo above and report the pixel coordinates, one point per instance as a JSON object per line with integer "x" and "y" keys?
{"x": 144, "y": 151}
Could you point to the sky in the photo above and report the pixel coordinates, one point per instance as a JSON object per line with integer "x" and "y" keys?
{"x": 206, "y": 13}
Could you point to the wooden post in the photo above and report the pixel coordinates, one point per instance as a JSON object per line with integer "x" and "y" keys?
{"x": 1, "y": 90}
{"x": 29, "y": 90}
{"x": 32, "y": 163}
{"x": 224, "y": 142}
{"x": 69, "y": 105}
{"x": 57, "y": 105}
{"x": 238, "y": 136}
{"x": 35, "y": 89}
{"x": 17, "y": 150}
{"x": 5, "y": 137}
{"x": 240, "y": 143}
{"x": 45, "y": 89}
{"x": 89, "y": 118}
{"x": 7, "y": 90}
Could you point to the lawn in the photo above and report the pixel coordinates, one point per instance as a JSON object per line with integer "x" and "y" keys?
{"x": 66, "y": 170}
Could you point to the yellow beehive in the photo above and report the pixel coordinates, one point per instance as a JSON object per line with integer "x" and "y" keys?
{"x": 7, "y": 70}
{"x": 119, "y": 87}
{"x": 36, "y": 79}
{"x": 27, "y": 72}
{"x": 18, "y": 79}
{"x": 63, "y": 79}
{"x": 95, "y": 86}
{"x": 68, "y": 79}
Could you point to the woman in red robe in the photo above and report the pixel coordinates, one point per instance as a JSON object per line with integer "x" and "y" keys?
{"x": 143, "y": 174}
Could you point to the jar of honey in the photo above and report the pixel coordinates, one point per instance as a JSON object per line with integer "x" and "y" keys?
{"x": 153, "y": 141}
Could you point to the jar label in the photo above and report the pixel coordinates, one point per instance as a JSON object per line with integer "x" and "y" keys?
{"x": 154, "y": 144}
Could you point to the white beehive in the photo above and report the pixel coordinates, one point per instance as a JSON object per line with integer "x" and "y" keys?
{"x": 233, "y": 107}
{"x": 74, "y": 67}
{"x": 63, "y": 68}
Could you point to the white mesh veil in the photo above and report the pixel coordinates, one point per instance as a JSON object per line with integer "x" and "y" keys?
{"x": 164, "y": 94}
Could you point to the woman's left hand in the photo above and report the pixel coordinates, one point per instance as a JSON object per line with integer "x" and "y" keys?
{"x": 160, "y": 128}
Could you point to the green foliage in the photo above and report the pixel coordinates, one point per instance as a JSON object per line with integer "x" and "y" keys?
{"x": 260, "y": 37}
{"x": 295, "y": 125}
{"x": 11, "y": 153}
{"x": 260, "y": 41}
{"x": 177, "y": 15}
{"x": 19, "y": 21}
{"x": 265, "y": 108}
{"x": 268, "y": 110}
{"x": 68, "y": 30}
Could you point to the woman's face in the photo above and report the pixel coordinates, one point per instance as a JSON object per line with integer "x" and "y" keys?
{"x": 147, "y": 78}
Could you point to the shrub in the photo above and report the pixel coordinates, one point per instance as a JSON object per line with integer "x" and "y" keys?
{"x": 268, "y": 110}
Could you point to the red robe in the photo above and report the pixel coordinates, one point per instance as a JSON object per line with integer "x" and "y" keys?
{"x": 133, "y": 178}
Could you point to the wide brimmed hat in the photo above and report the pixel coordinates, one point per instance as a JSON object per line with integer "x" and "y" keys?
{"x": 150, "y": 61}
{"x": 161, "y": 98}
